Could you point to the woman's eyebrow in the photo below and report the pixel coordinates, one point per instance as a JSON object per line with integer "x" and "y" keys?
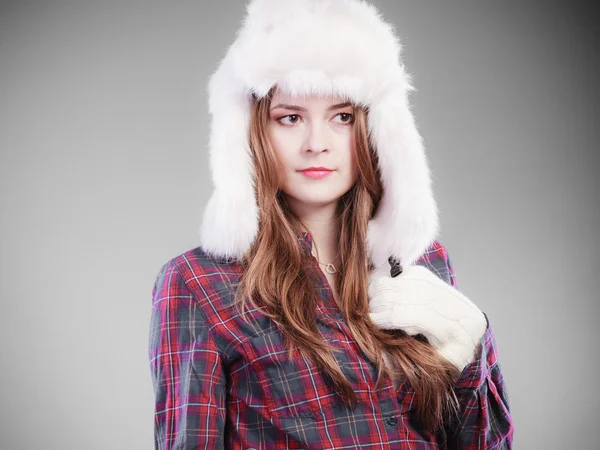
{"x": 299, "y": 108}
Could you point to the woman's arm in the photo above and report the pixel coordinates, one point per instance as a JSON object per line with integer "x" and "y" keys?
{"x": 484, "y": 421}
{"x": 186, "y": 368}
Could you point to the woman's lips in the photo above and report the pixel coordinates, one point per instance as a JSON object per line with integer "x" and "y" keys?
{"x": 316, "y": 173}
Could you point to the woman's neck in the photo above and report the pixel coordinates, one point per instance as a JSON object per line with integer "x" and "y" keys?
{"x": 325, "y": 241}
{"x": 323, "y": 225}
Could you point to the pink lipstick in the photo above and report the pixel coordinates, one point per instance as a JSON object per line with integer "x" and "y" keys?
{"x": 316, "y": 172}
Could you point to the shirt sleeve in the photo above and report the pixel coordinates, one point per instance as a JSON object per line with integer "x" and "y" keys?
{"x": 186, "y": 369}
{"x": 484, "y": 421}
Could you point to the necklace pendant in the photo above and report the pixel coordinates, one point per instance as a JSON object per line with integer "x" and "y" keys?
{"x": 330, "y": 268}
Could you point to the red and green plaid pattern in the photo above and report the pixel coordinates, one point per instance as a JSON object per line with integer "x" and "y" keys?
{"x": 221, "y": 382}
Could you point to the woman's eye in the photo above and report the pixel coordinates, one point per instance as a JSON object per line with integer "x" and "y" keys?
{"x": 293, "y": 118}
{"x": 347, "y": 118}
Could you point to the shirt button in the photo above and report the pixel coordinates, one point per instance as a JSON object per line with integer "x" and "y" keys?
{"x": 392, "y": 420}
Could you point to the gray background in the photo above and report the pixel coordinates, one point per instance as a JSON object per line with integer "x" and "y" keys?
{"x": 103, "y": 134}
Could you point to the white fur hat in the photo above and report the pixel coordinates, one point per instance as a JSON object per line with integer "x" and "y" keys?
{"x": 318, "y": 47}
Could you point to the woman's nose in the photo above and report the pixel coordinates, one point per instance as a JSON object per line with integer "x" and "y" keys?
{"x": 316, "y": 137}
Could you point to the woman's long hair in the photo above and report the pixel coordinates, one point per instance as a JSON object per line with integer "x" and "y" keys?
{"x": 278, "y": 277}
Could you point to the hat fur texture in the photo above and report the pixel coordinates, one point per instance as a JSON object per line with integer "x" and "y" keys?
{"x": 318, "y": 47}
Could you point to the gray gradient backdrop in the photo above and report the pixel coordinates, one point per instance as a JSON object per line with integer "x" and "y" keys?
{"x": 103, "y": 134}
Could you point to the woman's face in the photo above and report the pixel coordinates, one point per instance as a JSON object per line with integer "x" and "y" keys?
{"x": 313, "y": 132}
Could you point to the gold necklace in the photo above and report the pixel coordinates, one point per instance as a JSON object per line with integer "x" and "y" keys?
{"x": 329, "y": 268}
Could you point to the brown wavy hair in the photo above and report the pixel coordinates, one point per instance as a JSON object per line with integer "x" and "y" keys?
{"x": 278, "y": 277}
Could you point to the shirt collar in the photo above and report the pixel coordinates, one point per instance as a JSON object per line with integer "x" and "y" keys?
{"x": 306, "y": 240}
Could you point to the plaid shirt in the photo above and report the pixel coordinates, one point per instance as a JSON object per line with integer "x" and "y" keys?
{"x": 220, "y": 382}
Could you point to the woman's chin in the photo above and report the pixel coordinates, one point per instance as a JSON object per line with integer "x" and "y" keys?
{"x": 318, "y": 200}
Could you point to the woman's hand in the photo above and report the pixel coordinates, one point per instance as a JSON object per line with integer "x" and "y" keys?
{"x": 419, "y": 302}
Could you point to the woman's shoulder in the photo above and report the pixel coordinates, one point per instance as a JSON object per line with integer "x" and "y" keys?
{"x": 436, "y": 258}
{"x": 209, "y": 278}
{"x": 199, "y": 259}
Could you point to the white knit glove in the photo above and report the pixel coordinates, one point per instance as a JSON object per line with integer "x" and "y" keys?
{"x": 418, "y": 301}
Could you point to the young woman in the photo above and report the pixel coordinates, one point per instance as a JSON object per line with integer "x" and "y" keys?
{"x": 319, "y": 311}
